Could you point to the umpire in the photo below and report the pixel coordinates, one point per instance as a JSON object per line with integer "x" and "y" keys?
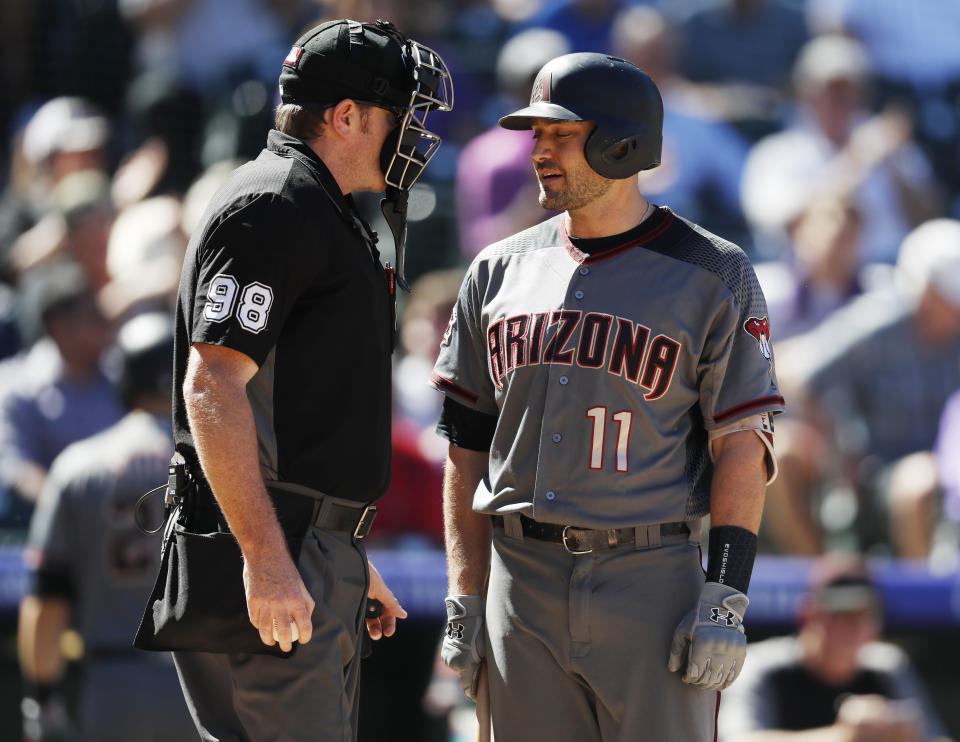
{"x": 285, "y": 322}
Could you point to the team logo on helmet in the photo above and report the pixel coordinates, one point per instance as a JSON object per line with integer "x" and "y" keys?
{"x": 759, "y": 329}
{"x": 455, "y": 631}
{"x": 541, "y": 90}
{"x": 724, "y": 618}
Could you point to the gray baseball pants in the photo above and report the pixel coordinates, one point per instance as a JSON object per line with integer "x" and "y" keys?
{"x": 310, "y": 696}
{"x": 577, "y": 646}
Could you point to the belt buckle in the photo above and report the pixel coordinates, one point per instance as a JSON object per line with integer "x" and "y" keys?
{"x": 365, "y": 523}
{"x": 567, "y": 546}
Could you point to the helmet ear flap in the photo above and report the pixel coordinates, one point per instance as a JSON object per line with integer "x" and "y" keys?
{"x": 615, "y": 160}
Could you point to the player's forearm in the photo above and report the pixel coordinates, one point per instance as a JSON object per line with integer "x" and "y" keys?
{"x": 41, "y": 623}
{"x": 224, "y": 434}
{"x": 739, "y": 481}
{"x": 466, "y": 533}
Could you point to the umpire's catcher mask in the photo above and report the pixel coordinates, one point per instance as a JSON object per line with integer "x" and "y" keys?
{"x": 616, "y": 95}
{"x": 375, "y": 63}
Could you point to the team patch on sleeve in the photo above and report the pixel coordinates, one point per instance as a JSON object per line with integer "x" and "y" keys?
{"x": 445, "y": 341}
{"x": 759, "y": 330}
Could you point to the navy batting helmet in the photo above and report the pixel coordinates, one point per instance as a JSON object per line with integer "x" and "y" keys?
{"x": 619, "y": 97}
{"x": 146, "y": 357}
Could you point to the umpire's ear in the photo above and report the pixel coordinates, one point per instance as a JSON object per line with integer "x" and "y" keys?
{"x": 345, "y": 118}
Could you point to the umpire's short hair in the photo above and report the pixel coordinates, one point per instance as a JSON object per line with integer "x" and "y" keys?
{"x": 299, "y": 121}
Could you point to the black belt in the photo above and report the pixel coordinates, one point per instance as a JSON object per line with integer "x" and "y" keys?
{"x": 331, "y": 513}
{"x": 578, "y": 540}
{"x": 341, "y": 516}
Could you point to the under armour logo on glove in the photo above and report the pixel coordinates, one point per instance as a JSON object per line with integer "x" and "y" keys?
{"x": 724, "y": 618}
{"x": 463, "y": 645}
{"x": 455, "y": 631}
{"x": 709, "y": 645}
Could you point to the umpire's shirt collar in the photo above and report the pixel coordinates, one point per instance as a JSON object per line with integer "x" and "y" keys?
{"x": 288, "y": 146}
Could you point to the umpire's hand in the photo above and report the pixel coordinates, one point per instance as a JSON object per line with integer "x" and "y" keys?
{"x": 382, "y": 621}
{"x": 277, "y": 598}
{"x": 710, "y": 641}
{"x": 463, "y": 646}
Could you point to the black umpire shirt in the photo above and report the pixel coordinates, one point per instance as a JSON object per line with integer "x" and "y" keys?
{"x": 279, "y": 269}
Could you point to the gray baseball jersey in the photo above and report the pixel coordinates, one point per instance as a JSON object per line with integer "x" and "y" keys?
{"x": 84, "y": 546}
{"x": 607, "y": 371}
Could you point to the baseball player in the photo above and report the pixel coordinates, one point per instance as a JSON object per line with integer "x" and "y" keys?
{"x": 285, "y": 325}
{"x": 609, "y": 382}
{"x": 91, "y": 567}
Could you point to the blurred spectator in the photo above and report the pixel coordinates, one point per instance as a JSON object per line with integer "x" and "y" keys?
{"x": 174, "y": 37}
{"x": 66, "y": 135}
{"x": 948, "y": 472}
{"x": 166, "y": 123}
{"x": 743, "y": 51}
{"x": 702, "y": 157}
{"x": 54, "y": 393}
{"x": 820, "y": 274}
{"x": 91, "y": 568}
{"x": 424, "y": 320}
{"x": 872, "y": 381}
{"x": 767, "y": 35}
{"x": 586, "y": 24}
{"x": 76, "y": 228}
{"x": 837, "y": 149}
{"x": 144, "y": 256}
{"x": 495, "y": 176}
{"x": 834, "y": 681}
{"x": 913, "y": 49}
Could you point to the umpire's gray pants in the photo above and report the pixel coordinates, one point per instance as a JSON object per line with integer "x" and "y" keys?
{"x": 311, "y": 696}
{"x": 578, "y": 645}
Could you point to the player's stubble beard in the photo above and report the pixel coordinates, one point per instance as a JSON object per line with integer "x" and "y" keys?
{"x": 582, "y": 186}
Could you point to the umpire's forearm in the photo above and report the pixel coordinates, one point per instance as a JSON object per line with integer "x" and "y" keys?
{"x": 466, "y": 533}
{"x": 224, "y": 433}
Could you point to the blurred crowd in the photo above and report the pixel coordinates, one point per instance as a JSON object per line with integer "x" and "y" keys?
{"x": 823, "y": 136}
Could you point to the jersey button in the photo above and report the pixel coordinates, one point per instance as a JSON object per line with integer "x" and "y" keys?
{"x": 551, "y": 495}
{"x": 584, "y": 271}
{"x": 556, "y": 437}
{"x": 578, "y": 294}
{"x": 563, "y": 380}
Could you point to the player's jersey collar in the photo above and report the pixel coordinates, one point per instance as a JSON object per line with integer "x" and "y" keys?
{"x": 592, "y": 250}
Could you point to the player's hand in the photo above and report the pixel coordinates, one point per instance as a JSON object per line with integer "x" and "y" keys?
{"x": 710, "y": 644}
{"x": 277, "y": 599}
{"x": 463, "y": 646}
{"x": 873, "y": 718}
{"x": 388, "y": 611}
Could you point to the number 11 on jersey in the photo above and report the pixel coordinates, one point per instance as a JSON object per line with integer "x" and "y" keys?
{"x": 623, "y": 420}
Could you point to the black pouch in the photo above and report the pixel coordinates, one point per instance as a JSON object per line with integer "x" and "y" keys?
{"x": 198, "y": 602}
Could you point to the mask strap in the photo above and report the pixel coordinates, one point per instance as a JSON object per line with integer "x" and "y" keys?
{"x": 394, "y": 208}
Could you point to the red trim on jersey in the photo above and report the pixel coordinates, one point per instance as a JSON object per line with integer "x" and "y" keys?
{"x": 716, "y": 717}
{"x": 747, "y": 406}
{"x": 655, "y": 231}
{"x": 448, "y": 386}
